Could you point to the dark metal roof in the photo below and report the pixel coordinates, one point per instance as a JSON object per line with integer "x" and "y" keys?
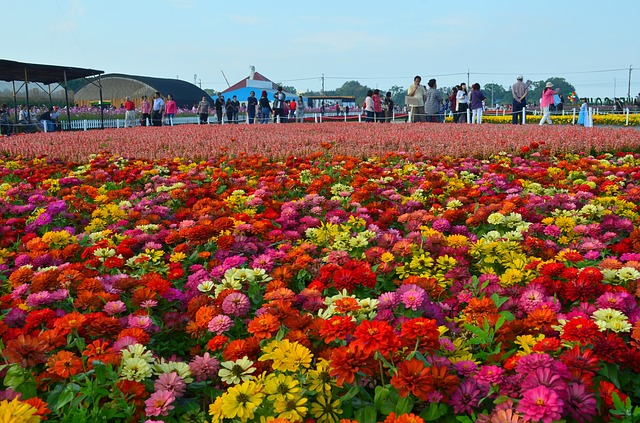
{"x": 183, "y": 92}
{"x": 46, "y": 74}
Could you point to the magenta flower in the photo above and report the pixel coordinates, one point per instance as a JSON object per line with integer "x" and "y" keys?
{"x": 467, "y": 396}
{"x": 489, "y": 374}
{"x": 541, "y": 404}
{"x": 159, "y": 403}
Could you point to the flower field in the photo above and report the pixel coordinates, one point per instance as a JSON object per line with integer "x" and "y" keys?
{"x": 321, "y": 273}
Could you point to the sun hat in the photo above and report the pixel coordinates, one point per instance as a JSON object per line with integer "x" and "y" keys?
{"x": 549, "y": 85}
{"x": 519, "y": 78}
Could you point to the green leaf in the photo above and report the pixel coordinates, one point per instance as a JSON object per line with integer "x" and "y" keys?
{"x": 65, "y": 397}
{"x": 221, "y": 189}
{"x": 404, "y": 405}
{"x": 434, "y": 412}
{"x": 381, "y": 395}
{"x": 367, "y": 414}
{"x": 350, "y": 394}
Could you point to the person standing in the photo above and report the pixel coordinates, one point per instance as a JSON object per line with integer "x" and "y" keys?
{"x": 265, "y": 108}
{"x": 477, "y": 104}
{"x": 171, "y": 109}
{"x": 432, "y": 102}
{"x": 453, "y": 104}
{"x": 158, "y": 109}
{"x": 377, "y": 106}
{"x": 278, "y": 105}
{"x": 388, "y": 107}
{"x": 369, "y": 107}
{"x": 462, "y": 103}
{"x": 583, "y": 114}
{"x": 5, "y": 128}
{"x": 293, "y": 106}
{"x": 235, "y": 109}
{"x": 203, "y": 110}
{"x": 145, "y": 107}
{"x": 252, "y": 103}
{"x": 55, "y": 114}
{"x": 419, "y": 93}
{"x": 300, "y": 110}
{"x": 129, "y": 113}
{"x": 219, "y": 106}
{"x": 519, "y": 91}
{"x": 546, "y": 102}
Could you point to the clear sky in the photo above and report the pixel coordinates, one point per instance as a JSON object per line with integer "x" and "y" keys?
{"x": 380, "y": 43}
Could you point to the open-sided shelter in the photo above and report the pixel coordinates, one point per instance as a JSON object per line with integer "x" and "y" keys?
{"x": 26, "y": 73}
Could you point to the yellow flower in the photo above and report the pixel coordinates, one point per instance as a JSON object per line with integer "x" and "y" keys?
{"x": 215, "y": 411}
{"x": 177, "y": 257}
{"x": 386, "y": 257}
{"x": 527, "y": 342}
{"x": 287, "y": 356}
{"x": 57, "y": 239}
{"x": 17, "y": 412}
{"x": 325, "y": 410}
{"x": 280, "y": 387}
{"x": 319, "y": 380}
{"x": 240, "y": 401}
{"x": 292, "y": 409}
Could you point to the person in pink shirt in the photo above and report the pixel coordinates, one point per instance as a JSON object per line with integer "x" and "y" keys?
{"x": 546, "y": 101}
{"x": 170, "y": 109}
{"x": 145, "y": 108}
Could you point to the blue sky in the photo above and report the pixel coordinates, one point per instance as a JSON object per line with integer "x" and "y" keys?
{"x": 379, "y": 43}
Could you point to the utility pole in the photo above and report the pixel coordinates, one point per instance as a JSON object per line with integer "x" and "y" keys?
{"x": 629, "y": 86}
{"x": 195, "y": 78}
{"x": 468, "y": 81}
{"x": 322, "y": 91}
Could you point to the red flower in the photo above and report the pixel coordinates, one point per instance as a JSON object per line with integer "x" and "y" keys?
{"x": 582, "y": 330}
{"x": 374, "y": 336}
{"x": 413, "y": 377}
{"x": 338, "y": 327}
{"x": 347, "y": 361}
{"x": 421, "y": 330}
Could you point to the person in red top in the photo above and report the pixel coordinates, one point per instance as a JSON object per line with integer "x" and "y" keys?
{"x": 129, "y": 113}
{"x": 377, "y": 106}
{"x": 292, "y": 109}
{"x": 171, "y": 108}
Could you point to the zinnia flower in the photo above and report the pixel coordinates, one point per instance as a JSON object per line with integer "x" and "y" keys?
{"x": 541, "y": 404}
{"x": 240, "y": 401}
{"x": 234, "y": 372}
{"x": 159, "y": 403}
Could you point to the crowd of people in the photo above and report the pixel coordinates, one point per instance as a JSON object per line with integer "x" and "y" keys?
{"x": 424, "y": 104}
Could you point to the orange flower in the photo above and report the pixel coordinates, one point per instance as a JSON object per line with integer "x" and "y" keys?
{"x": 41, "y": 407}
{"x": 346, "y": 305}
{"x": 21, "y": 276}
{"x": 477, "y": 311}
{"x": 64, "y": 364}
{"x": 422, "y": 329}
{"x": 264, "y": 326}
{"x": 347, "y": 361}
{"x": 204, "y": 316}
{"x": 70, "y": 322}
{"x": 100, "y": 350}
{"x": 141, "y": 336}
{"x": 26, "y": 350}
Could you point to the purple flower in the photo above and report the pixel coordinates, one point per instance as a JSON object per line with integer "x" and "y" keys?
{"x": 465, "y": 367}
{"x": 441, "y": 225}
{"x": 467, "y": 396}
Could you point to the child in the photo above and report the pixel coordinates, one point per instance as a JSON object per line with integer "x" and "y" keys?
{"x": 583, "y": 112}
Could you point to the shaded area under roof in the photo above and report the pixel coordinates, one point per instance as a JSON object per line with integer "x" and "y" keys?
{"x": 46, "y": 74}
{"x": 117, "y": 86}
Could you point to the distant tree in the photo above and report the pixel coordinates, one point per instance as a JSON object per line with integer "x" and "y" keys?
{"x": 496, "y": 93}
{"x": 210, "y": 91}
{"x": 398, "y": 94}
{"x": 536, "y": 88}
{"x": 289, "y": 89}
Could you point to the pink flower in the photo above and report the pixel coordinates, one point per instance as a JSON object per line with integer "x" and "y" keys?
{"x": 541, "y": 404}
{"x": 170, "y": 382}
{"x": 236, "y": 304}
{"x": 114, "y": 307}
{"x": 159, "y": 403}
{"x": 489, "y": 374}
{"x": 204, "y": 367}
{"x": 219, "y": 324}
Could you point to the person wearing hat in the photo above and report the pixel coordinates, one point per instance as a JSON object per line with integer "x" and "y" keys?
{"x": 546, "y": 102}
{"x": 519, "y": 91}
